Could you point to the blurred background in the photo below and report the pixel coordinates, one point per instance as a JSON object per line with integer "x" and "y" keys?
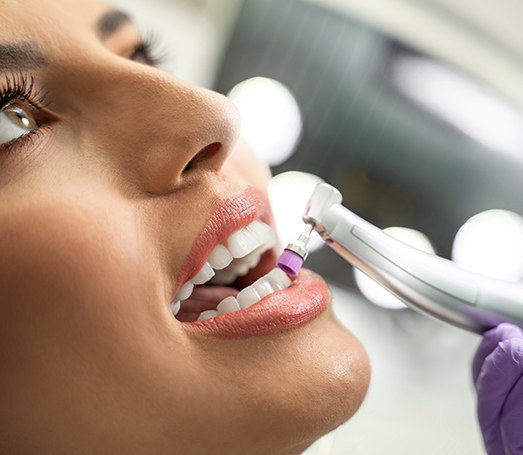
{"x": 413, "y": 109}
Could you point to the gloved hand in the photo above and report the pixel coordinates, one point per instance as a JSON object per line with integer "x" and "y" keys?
{"x": 498, "y": 377}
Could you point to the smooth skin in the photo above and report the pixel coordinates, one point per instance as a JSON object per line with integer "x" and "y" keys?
{"x": 96, "y": 219}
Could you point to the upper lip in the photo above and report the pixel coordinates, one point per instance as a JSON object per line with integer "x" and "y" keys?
{"x": 229, "y": 216}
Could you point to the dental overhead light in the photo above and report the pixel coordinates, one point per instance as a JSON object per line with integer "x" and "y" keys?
{"x": 270, "y": 118}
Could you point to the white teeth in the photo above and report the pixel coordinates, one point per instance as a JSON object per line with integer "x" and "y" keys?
{"x": 265, "y": 232}
{"x": 263, "y": 287}
{"x": 251, "y": 260}
{"x": 207, "y": 315}
{"x": 228, "y": 305}
{"x": 220, "y": 258}
{"x": 247, "y": 297}
{"x": 275, "y": 280}
{"x": 242, "y": 252}
{"x": 185, "y": 291}
{"x": 242, "y": 242}
{"x": 278, "y": 279}
{"x": 241, "y": 268}
{"x": 238, "y": 267}
{"x": 175, "y": 307}
{"x": 204, "y": 275}
{"x": 245, "y": 248}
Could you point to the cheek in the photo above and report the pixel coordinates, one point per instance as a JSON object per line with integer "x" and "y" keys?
{"x": 73, "y": 281}
{"x": 79, "y": 312}
{"x": 247, "y": 166}
{"x": 65, "y": 252}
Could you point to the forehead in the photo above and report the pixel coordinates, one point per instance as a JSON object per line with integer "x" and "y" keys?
{"x": 47, "y": 20}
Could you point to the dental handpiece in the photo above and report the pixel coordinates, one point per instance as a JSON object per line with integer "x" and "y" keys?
{"x": 425, "y": 282}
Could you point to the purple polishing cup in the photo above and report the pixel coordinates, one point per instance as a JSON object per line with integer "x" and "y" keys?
{"x": 290, "y": 262}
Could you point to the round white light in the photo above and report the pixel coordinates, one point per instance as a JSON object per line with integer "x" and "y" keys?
{"x": 270, "y": 118}
{"x": 491, "y": 243}
{"x": 375, "y": 292}
{"x": 289, "y": 193}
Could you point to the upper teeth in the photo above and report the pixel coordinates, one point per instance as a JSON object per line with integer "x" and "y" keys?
{"x": 246, "y": 240}
{"x": 220, "y": 258}
{"x": 242, "y": 252}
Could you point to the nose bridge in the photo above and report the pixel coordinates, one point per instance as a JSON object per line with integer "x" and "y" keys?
{"x": 155, "y": 124}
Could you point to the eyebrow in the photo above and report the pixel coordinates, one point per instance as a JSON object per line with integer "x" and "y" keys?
{"x": 20, "y": 55}
{"x": 24, "y": 55}
{"x": 110, "y": 22}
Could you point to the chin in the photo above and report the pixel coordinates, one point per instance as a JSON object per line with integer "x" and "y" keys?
{"x": 289, "y": 389}
{"x": 327, "y": 382}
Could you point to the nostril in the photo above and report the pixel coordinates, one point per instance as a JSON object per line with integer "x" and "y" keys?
{"x": 204, "y": 155}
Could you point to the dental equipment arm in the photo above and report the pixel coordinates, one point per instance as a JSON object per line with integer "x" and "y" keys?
{"x": 425, "y": 282}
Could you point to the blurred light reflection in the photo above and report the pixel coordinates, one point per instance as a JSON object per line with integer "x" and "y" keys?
{"x": 461, "y": 101}
{"x": 491, "y": 243}
{"x": 289, "y": 193}
{"x": 270, "y": 118}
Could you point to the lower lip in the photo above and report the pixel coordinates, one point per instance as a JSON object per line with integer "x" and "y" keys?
{"x": 306, "y": 298}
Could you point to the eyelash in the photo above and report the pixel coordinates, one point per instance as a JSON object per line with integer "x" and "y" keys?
{"x": 20, "y": 87}
{"x": 151, "y": 48}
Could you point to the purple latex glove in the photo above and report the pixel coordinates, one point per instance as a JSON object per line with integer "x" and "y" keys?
{"x": 498, "y": 377}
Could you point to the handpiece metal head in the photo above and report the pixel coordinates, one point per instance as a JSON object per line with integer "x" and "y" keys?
{"x": 322, "y": 199}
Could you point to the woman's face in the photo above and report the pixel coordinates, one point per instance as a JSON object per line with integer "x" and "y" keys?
{"x": 118, "y": 182}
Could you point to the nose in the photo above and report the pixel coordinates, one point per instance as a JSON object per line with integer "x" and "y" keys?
{"x": 160, "y": 129}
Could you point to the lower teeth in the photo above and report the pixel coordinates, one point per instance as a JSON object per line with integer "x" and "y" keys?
{"x": 275, "y": 280}
{"x": 208, "y": 314}
{"x": 175, "y": 307}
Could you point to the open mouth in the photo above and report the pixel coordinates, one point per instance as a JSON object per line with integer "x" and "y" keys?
{"x": 233, "y": 277}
